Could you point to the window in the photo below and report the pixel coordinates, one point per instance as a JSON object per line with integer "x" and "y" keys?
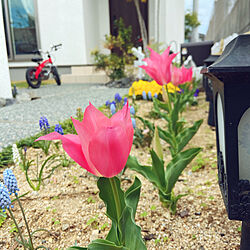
{"x": 20, "y": 28}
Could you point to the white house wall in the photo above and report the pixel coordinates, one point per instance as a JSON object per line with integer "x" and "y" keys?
{"x": 61, "y": 21}
{"x": 5, "y": 87}
{"x": 96, "y": 24}
{"x": 171, "y": 22}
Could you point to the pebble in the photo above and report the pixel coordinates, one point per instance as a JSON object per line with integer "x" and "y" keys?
{"x": 94, "y": 235}
{"x": 65, "y": 226}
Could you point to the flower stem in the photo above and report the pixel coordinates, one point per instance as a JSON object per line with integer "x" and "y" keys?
{"x": 18, "y": 229}
{"x": 26, "y": 223}
{"x": 117, "y": 200}
{"x": 169, "y": 101}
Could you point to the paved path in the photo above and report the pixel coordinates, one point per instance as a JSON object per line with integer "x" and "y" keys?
{"x": 57, "y": 103}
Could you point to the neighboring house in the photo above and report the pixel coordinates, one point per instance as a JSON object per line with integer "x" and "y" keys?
{"x": 229, "y": 16}
{"x": 80, "y": 25}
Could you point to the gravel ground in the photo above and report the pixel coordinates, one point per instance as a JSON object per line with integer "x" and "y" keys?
{"x": 20, "y": 120}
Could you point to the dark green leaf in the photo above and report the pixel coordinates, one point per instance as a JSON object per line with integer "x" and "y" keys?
{"x": 132, "y": 195}
{"x": 177, "y": 165}
{"x": 79, "y": 248}
{"x": 147, "y": 123}
{"x": 107, "y": 188}
{"x": 187, "y": 134}
{"x": 146, "y": 171}
{"x": 167, "y": 137}
{"x": 158, "y": 169}
{"x": 101, "y": 244}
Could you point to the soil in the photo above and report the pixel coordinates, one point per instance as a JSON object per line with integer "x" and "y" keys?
{"x": 69, "y": 207}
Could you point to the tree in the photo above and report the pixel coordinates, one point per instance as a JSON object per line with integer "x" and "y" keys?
{"x": 142, "y": 24}
{"x": 191, "y": 22}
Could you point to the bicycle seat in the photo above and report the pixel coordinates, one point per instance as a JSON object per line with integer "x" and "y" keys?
{"x": 36, "y": 59}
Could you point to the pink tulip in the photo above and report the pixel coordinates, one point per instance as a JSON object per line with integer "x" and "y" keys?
{"x": 176, "y": 75}
{"x": 158, "y": 66}
{"x": 187, "y": 74}
{"x": 181, "y": 75}
{"x": 102, "y": 145}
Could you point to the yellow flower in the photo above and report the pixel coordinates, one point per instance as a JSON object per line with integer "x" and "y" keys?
{"x": 153, "y": 87}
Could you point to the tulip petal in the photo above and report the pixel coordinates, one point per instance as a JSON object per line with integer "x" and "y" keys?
{"x": 93, "y": 118}
{"x": 71, "y": 144}
{"x": 108, "y": 151}
{"x": 122, "y": 118}
{"x": 85, "y": 135}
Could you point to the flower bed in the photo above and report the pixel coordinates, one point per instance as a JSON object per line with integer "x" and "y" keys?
{"x": 69, "y": 207}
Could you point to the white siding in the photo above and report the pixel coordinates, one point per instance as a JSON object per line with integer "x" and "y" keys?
{"x": 5, "y": 86}
{"x": 60, "y": 21}
{"x": 171, "y": 21}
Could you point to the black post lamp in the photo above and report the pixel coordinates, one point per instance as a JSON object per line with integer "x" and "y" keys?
{"x": 230, "y": 75}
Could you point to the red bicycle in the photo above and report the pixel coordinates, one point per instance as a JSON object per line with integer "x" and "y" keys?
{"x": 35, "y": 75}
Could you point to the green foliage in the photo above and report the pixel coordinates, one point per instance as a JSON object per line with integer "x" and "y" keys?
{"x": 3, "y": 217}
{"x": 91, "y": 200}
{"x": 177, "y": 134}
{"x": 164, "y": 178}
{"x": 92, "y": 221}
{"x": 200, "y": 162}
{"x": 6, "y": 156}
{"x": 191, "y": 22}
{"x": 50, "y": 164}
{"x": 13, "y": 228}
{"x": 121, "y": 208}
{"x": 120, "y": 47}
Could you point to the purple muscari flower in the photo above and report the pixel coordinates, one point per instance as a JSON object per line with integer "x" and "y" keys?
{"x": 144, "y": 95}
{"x": 149, "y": 95}
{"x": 59, "y": 129}
{"x": 132, "y": 110}
{"x": 10, "y": 181}
{"x": 112, "y": 108}
{"x": 125, "y": 100}
{"x": 155, "y": 95}
{"x": 118, "y": 98}
{"x": 5, "y": 201}
{"x": 44, "y": 124}
{"x": 113, "y": 103}
{"x": 133, "y": 122}
{"x": 107, "y": 103}
{"x": 196, "y": 93}
{"x": 181, "y": 91}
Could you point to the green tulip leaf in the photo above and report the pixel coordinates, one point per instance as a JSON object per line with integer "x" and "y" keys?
{"x": 101, "y": 244}
{"x": 177, "y": 165}
{"x": 147, "y": 123}
{"x": 121, "y": 209}
{"x": 146, "y": 171}
{"x": 75, "y": 247}
{"x": 167, "y": 137}
{"x": 132, "y": 195}
{"x": 187, "y": 134}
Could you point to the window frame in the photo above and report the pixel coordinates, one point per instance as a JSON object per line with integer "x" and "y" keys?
{"x": 9, "y": 39}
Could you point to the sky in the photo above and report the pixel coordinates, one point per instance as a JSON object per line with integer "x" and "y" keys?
{"x": 205, "y": 13}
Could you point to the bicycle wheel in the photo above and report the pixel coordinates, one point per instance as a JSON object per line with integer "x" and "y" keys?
{"x": 31, "y": 80}
{"x": 56, "y": 75}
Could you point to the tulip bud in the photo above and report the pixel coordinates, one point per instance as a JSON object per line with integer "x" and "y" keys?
{"x": 133, "y": 122}
{"x": 149, "y": 95}
{"x": 132, "y": 110}
{"x": 156, "y": 144}
{"x": 112, "y": 108}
